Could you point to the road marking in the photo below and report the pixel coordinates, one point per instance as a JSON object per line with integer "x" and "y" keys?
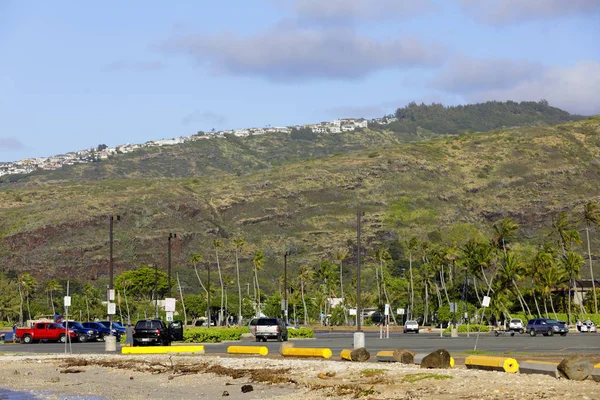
{"x": 528, "y": 347}
{"x": 563, "y": 349}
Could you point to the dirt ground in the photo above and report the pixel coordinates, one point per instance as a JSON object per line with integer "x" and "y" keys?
{"x": 211, "y": 377}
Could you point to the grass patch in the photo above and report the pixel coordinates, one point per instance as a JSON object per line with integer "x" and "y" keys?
{"x": 372, "y": 372}
{"x": 412, "y": 378}
{"x": 476, "y": 352}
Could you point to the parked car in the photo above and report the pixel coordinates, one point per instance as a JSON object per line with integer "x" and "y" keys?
{"x": 547, "y": 327}
{"x": 115, "y": 326}
{"x": 151, "y": 331}
{"x": 83, "y": 334}
{"x": 45, "y": 331}
{"x": 588, "y": 326}
{"x": 102, "y": 329}
{"x": 268, "y": 328}
{"x": 516, "y": 325}
{"x": 411, "y": 326}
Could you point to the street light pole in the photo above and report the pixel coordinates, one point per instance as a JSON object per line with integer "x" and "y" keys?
{"x": 111, "y": 272}
{"x": 171, "y": 236}
{"x": 285, "y": 303}
{"x": 359, "y": 336}
{"x": 155, "y": 294}
{"x": 208, "y": 295}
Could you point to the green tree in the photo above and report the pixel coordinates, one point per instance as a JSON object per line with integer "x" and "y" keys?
{"x": 27, "y": 285}
{"x": 305, "y": 276}
{"x": 572, "y": 263}
{"x": 53, "y": 286}
{"x": 217, "y": 243}
{"x": 141, "y": 282}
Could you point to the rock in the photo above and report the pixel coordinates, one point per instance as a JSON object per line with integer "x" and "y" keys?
{"x": 438, "y": 359}
{"x": 225, "y": 393}
{"x": 575, "y": 368}
{"x": 55, "y": 379}
{"x": 247, "y": 388}
{"x": 361, "y": 355}
{"x": 404, "y": 356}
{"x": 285, "y": 345}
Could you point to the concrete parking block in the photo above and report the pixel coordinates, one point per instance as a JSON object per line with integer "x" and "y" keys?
{"x": 163, "y": 349}
{"x": 260, "y": 350}
{"x": 490, "y": 363}
{"x": 539, "y": 367}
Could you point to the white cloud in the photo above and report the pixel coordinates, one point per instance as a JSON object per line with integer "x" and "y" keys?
{"x": 575, "y": 88}
{"x": 501, "y": 12}
{"x": 10, "y": 143}
{"x": 293, "y": 53}
{"x": 343, "y": 11}
{"x": 466, "y": 75}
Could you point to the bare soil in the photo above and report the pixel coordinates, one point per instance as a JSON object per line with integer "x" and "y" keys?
{"x": 209, "y": 377}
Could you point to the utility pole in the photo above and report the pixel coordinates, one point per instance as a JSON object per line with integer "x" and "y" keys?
{"x": 285, "y": 303}
{"x": 359, "y": 336}
{"x": 208, "y": 295}
{"x": 171, "y": 236}
{"x": 155, "y": 294}
{"x": 111, "y": 273}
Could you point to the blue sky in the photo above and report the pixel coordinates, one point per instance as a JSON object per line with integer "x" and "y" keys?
{"x": 73, "y": 76}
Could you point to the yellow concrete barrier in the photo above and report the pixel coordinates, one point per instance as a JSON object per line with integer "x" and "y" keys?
{"x": 385, "y": 356}
{"x": 596, "y": 373}
{"x": 162, "y": 349}
{"x": 490, "y": 363}
{"x": 346, "y": 355}
{"x": 306, "y": 352}
{"x": 262, "y": 350}
{"x": 451, "y": 362}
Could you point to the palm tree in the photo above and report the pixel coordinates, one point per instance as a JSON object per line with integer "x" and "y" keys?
{"x": 27, "y": 284}
{"x": 341, "y": 254}
{"x": 384, "y": 257}
{"x": 503, "y": 231}
{"x": 512, "y": 271}
{"x": 182, "y": 302}
{"x": 572, "y": 263}
{"x": 591, "y": 217}
{"x": 217, "y": 243}
{"x": 258, "y": 261}
{"x": 411, "y": 245}
{"x": 53, "y": 286}
{"x": 552, "y": 278}
{"x": 239, "y": 242}
{"x": 195, "y": 260}
{"x": 305, "y": 276}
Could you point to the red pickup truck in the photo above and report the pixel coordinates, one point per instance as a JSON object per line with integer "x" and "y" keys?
{"x": 44, "y": 331}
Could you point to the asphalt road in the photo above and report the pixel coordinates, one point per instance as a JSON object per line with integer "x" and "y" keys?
{"x": 337, "y": 341}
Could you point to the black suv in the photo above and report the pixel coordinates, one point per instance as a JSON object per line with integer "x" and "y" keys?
{"x": 547, "y": 327}
{"x": 151, "y": 331}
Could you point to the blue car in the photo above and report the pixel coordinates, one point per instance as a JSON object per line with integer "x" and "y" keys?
{"x": 115, "y": 326}
{"x": 83, "y": 334}
{"x": 546, "y": 327}
{"x": 101, "y": 328}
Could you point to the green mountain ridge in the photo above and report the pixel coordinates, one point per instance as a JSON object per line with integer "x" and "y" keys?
{"x": 450, "y": 188}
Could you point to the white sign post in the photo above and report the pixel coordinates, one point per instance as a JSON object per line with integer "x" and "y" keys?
{"x": 170, "y": 304}
{"x": 169, "y": 316}
{"x": 112, "y": 308}
{"x": 486, "y": 301}
{"x": 111, "y": 294}
{"x": 400, "y": 311}
{"x": 67, "y": 301}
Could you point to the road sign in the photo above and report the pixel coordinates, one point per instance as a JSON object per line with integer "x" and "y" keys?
{"x": 352, "y": 311}
{"x": 112, "y": 308}
{"x": 452, "y": 307}
{"x": 170, "y": 305}
{"x": 400, "y": 311}
{"x": 67, "y": 301}
{"x": 111, "y": 294}
{"x": 283, "y": 305}
{"x": 387, "y": 310}
{"x": 486, "y": 301}
{"x": 169, "y": 316}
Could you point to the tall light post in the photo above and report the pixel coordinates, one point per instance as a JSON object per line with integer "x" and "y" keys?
{"x": 285, "y": 303}
{"x": 208, "y": 295}
{"x": 359, "y": 336}
{"x": 155, "y": 294}
{"x": 171, "y": 236}
{"x": 111, "y": 272}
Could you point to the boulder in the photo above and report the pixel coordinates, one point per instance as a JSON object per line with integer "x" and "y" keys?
{"x": 575, "y": 368}
{"x": 285, "y": 345}
{"x": 360, "y": 355}
{"x": 438, "y": 359}
{"x": 404, "y": 356}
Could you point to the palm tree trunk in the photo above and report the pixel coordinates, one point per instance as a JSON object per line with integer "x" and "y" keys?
{"x": 52, "y": 301}
{"x": 587, "y": 231}
{"x": 546, "y": 307}
{"x": 388, "y": 301}
{"x": 200, "y": 280}
{"x": 303, "y": 302}
{"x": 180, "y": 295}
{"x": 237, "y": 267}
{"x": 521, "y": 298}
{"x": 476, "y": 290}
{"x": 569, "y": 299}
{"x": 378, "y": 285}
{"x": 443, "y": 281}
{"x": 426, "y": 305}
{"x": 127, "y": 306}
{"x": 20, "y": 306}
{"x": 552, "y": 306}
{"x": 221, "y": 283}
{"x": 257, "y": 292}
{"x": 28, "y": 308}
{"x": 537, "y": 307}
{"x": 87, "y": 306}
{"x": 484, "y": 277}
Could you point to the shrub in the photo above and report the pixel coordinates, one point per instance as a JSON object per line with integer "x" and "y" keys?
{"x": 301, "y": 333}
{"x": 472, "y": 328}
{"x": 213, "y": 335}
